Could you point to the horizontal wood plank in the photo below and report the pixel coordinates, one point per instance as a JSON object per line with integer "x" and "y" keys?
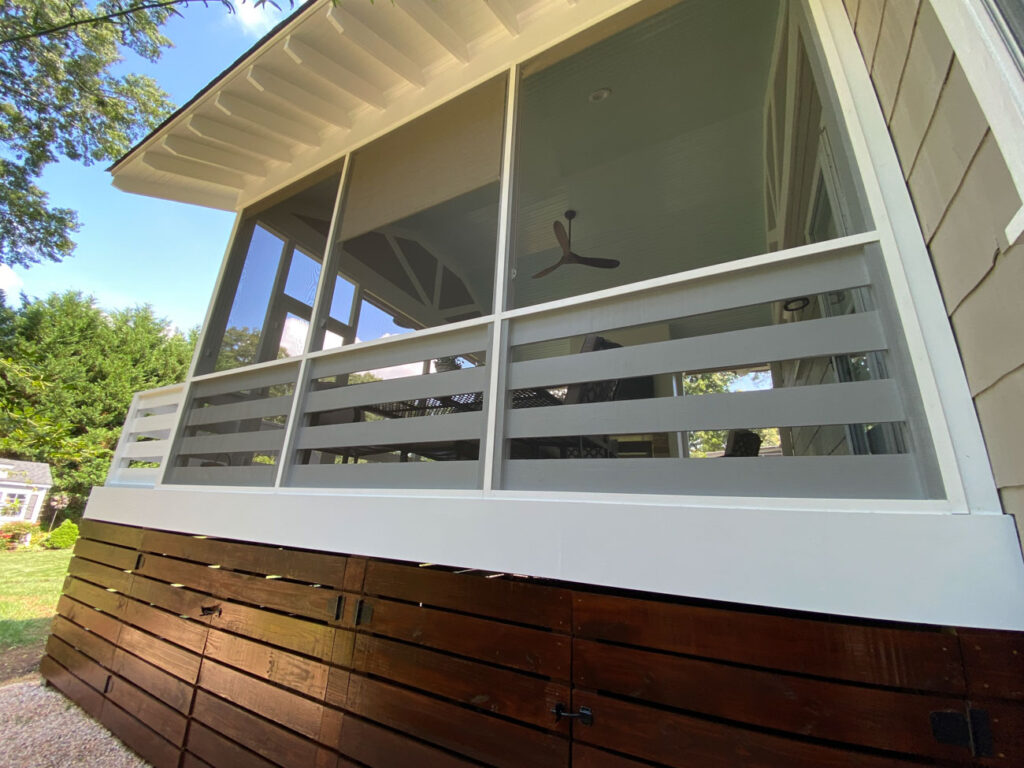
{"x": 231, "y": 585}
{"x": 148, "y": 709}
{"x": 261, "y": 736}
{"x": 311, "y": 567}
{"x": 510, "y": 600}
{"x": 172, "y": 691}
{"x": 281, "y": 667}
{"x": 106, "y": 554}
{"x": 379, "y": 747}
{"x": 86, "y": 697}
{"x": 96, "y": 597}
{"x": 680, "y": 741}
{"x": 477, "y": 736}
{"x": 92, "y": 645}
{"x": 100, "y": 575}
{"x": 498, "y": 691}
{"x": 170, "y": 658}
{"x": 77, "y": 663}
{"x": 905, "y": 658}
{"x": 218, "y": 751}
{"x": 530, "y": 650}
{"x": 111, "y": 533}
{"x": 276, "y": 704}
{"x": 870, "y": 717}
{"x": 184, "y": 632}
{"x": 994, "y": 663}
{"x": 103, "y": 624}
{"x": 305, "y": 637}
{"x": 152, "y": 747}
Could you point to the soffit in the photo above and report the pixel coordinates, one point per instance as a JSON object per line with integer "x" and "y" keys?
{"x": 331, "y": 78}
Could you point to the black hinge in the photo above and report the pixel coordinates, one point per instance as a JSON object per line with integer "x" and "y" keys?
{"x": 585, "y": 714}
{"x": 972, "y": 731}
{"x": 364, "y": 612}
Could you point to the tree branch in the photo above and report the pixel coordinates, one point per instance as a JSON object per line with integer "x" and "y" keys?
{"x": 107, "y": 18}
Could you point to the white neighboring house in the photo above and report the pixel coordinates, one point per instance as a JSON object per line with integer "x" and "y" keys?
{"x": 23, "y": 487}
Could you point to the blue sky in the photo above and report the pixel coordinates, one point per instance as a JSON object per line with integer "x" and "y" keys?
{"x": 139, "y": 250}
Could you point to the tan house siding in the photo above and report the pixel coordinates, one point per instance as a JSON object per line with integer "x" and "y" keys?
{"x": 964, "y": 198}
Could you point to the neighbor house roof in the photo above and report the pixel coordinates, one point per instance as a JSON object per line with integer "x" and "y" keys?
{"x": 17, "y": 472}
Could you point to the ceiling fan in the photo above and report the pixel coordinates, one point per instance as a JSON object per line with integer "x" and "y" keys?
{"x": 568, "y": 257}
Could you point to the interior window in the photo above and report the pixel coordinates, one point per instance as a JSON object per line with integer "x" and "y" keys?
{"x": 266, "y": 302}
{"x": 418, "y": 229}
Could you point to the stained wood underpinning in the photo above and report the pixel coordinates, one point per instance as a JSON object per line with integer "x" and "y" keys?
{"x": 201, "y": 653}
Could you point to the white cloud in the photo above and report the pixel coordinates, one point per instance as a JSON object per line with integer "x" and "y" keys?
{"x": 10, "y": 283}
{"x": 256, "y": 22}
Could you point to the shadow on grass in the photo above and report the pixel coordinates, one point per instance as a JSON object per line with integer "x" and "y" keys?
{"x": 23, "y": 644}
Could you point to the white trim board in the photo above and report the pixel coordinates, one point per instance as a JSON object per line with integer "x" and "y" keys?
{"x": 954, "y": 570}
{"x": 996, "y": 81}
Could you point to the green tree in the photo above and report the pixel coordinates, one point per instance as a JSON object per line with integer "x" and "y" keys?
{"x": 60, "y": 97}
{"x": 68, "y": 375}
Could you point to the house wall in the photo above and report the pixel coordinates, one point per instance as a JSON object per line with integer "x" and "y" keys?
{"x": 964, "y": 197}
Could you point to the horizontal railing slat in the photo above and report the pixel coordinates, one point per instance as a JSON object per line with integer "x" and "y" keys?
{"x": 262, "y": 440}
{"x": 850, "y": 403}
{"x": 248, "y": 409}
{"x": 884, "y": 477}
{"x": 455, "y": 426}
{"x": 397, "y": 390}
{"x": 258, "y": 475}
{"x": 413, "y": 474}
{"x": 156, "y": 423}
{"x": 401, "y": 351}
{"x": 159, "y": 399}
{"x": 140, "y": 476}
{"x": 834, "y": 271}
{"x": 849, "y": 334}
{"x": 150, "y": 450}
{"x": 259, "y": 378}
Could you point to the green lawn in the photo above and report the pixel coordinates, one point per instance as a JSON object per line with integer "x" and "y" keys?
{"x": 30, "y": 584}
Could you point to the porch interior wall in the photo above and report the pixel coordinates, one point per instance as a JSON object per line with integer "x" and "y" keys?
{"x": 964, "y": 198}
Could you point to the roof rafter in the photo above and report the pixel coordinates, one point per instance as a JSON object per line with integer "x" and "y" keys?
{"x": 267, "y": 118}
{"x": 353, "y": 29}
{"x": 215, "y": 130}
{"x": 265, "y": 81}
{"x": 214, "y": 155}
{"x": 434, "y": 25}
{"x": 193, "y": 170}
{"x": 506, "y": 14}
{"x": 330, "y": 70}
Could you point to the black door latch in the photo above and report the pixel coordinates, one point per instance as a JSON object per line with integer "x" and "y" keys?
{"x": 585, "y": 714}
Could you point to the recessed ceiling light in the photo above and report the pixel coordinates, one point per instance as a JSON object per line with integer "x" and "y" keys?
{"x": 600, "y": 95}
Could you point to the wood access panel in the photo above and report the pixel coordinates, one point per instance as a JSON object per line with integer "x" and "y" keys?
{"x": 204, "y": 653}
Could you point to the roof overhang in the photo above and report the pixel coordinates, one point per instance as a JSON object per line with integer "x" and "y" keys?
{"x": 329, "y": 79}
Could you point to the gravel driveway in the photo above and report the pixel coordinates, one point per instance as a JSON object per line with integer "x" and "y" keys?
{"x": 42, "y": 729}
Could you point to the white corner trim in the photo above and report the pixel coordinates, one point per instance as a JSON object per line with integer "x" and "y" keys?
{"x": 996, "y": 81}
{"x": 952, "y": 570}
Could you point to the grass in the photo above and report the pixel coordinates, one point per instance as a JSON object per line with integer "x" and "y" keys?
{"x": 30, "y": 585}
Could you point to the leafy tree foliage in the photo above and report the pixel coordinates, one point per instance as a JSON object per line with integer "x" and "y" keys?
{"x": 67, "y": 377}
{"x": 59, "y": 97}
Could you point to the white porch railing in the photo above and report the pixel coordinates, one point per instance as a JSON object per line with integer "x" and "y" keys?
{"x": 141, "y": 454}
{"x": 321, "y": 421}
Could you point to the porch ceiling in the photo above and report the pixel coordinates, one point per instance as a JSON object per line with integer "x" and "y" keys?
{"x": 330, "y": 78}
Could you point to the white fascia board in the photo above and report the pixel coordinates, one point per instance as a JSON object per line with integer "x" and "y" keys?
{"x": 950, "y": 570}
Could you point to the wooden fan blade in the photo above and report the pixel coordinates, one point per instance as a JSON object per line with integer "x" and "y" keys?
{"x": 561, "y": 236}
{"x": 549, "y": 270}
{"x": 593, "y": 261}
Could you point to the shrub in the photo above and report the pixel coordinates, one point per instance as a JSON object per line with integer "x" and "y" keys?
{"x": 63, "y": 536}
{"x": 17, "y": 533}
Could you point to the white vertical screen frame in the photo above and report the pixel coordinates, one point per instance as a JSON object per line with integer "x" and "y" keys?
{"x": 992, "y": 71}
{"x": 497, "y": 347}
{"x": 942, "y": 383}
